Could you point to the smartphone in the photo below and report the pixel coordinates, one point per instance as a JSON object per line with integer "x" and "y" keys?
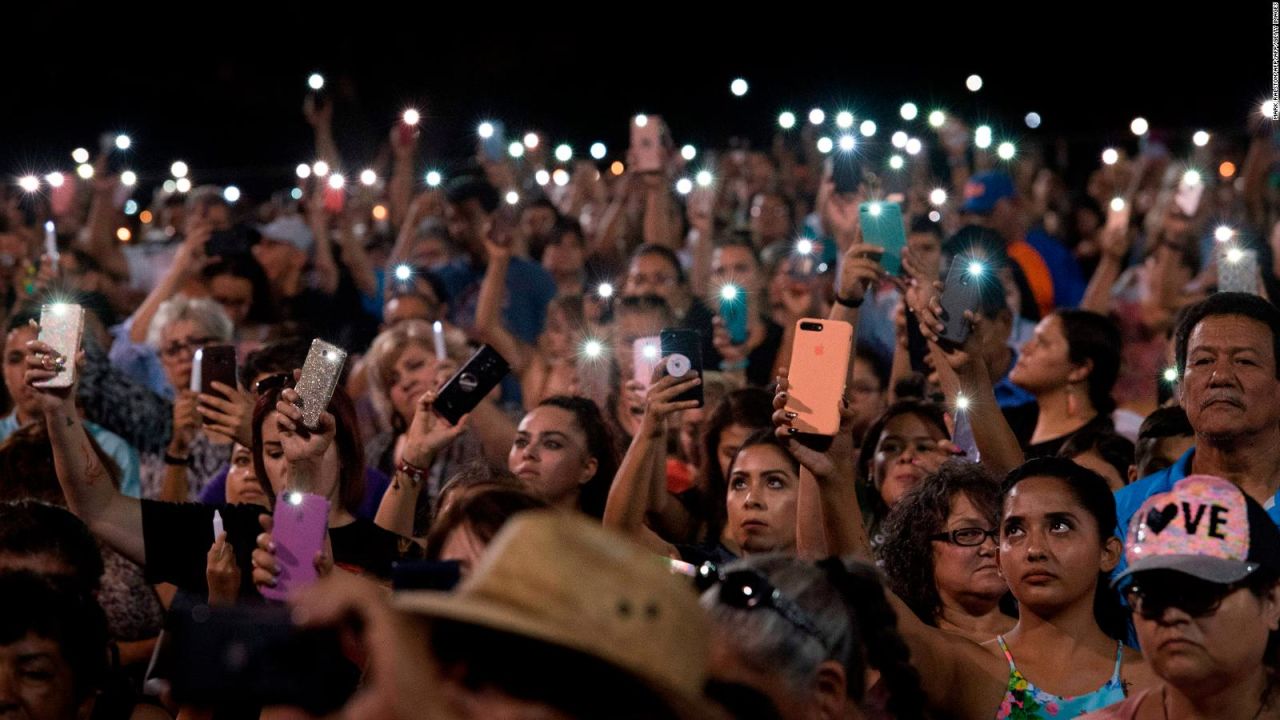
{"x": 683, "y": 350}
{"x": 960, "y": 293}
{"x": 213, "y": 363}
{"x": 494, "y": 147}
{"x": 646, "y": 353}
{"x": 301, "y": 521}
{"x": 481, "y": 374}
{"x": 61, "y": 327}
{"x": 882, "y": 225}
{"x": 255, "y": 655}
{"x": 917, "y": 346}
{"x": 51, "y": 241}
{"x": 334, "y": 199}
{"x": 820, "y": 356}
{"x": 845, "y": 173}
{"x": 646, "y": 143}
{"x": 319, "y": 378}
{"x": 441, "y": 575}
{"x": 733, "y": 311}
{"x": 1188, "y": 195}
{"x": 1237, "y": 270}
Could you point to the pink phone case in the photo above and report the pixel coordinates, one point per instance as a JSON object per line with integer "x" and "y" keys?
{"x": 820, "y": 354}
{"x": 301, "y": 520}
{"x": 643, "y": 361}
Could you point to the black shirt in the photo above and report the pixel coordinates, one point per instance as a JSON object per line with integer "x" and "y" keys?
{"x": 177, "y": 537}
{"x": 1051, "y": 447}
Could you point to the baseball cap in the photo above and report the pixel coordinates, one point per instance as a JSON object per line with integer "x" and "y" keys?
{"x": 984, "y": 189}
{"x": 1205, "y": 527}
{"x": 289, "y": 229}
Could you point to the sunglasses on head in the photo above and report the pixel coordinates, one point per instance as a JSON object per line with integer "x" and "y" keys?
{"x": 1150, "y": 594}
{"x": 750, "y": 590}
{"x": 278, "y": 381}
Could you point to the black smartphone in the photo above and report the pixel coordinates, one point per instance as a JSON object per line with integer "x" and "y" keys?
{"x": 846, "y": 174}
{"x": 960, "y": 293}
{"x": 226, "y": 243}
{"x": 213, "y": 363}
{"x": 442, "y": 575}
{"x": 917, "y": 346}
{"x": 471, "y": 384}
{"x": 255, "y": 655}
{"x": 683, "y": 350}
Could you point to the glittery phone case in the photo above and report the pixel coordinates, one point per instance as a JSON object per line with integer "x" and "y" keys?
{"x": 61, "y": 325}
{"x": 319, "y": 378}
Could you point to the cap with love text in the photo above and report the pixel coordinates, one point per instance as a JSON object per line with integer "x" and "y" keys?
{"x": 1205, "y": 527}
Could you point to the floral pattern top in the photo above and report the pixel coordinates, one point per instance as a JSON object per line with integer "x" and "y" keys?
{"x": 1024, "y": 701}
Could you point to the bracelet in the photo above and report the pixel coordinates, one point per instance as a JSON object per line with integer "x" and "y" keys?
{"x": 172, "y": 460}
{"x": 411, "y": 471}
{"x": 855, "y": 304}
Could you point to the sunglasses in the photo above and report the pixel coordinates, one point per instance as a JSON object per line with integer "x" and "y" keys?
{"x": 273, "y": 382}
{"x": 1151, "y": 595}
{"x": 750, "y": 590}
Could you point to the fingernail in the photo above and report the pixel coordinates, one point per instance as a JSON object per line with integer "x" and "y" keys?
{"x": 782, "y": 395}
{"x": 271, "y": 546}
{"x": 791, "y": 416}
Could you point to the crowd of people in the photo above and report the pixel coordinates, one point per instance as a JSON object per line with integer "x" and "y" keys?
{"x": 1068, "y": 509}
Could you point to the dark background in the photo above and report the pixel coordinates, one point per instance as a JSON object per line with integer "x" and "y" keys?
{"x": 220, "y": 85}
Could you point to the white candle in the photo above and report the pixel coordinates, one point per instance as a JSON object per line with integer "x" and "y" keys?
{"x": 438, "y": 331}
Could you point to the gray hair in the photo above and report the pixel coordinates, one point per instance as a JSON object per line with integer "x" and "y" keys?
{"x": 207, "y": 314}
{"x": 766, "y": 641}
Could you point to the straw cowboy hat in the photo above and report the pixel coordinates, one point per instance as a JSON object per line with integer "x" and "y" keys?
{"x": 565, "y": 580}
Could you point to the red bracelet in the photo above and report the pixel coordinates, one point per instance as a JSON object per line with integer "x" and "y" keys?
{"x": 413, "y": 472}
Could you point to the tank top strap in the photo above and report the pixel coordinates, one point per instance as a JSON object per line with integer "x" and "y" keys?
{"x": 1004, "y": 647}
{"x": 1115, "y": 674}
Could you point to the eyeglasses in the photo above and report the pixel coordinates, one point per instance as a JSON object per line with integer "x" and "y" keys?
{"x": 175, "y": 349}
{"x": 1151, "y": 595}
{"x": 750, "y": 590}
{"x": 967, "y": 536}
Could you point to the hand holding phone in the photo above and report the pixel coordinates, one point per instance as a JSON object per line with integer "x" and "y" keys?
{"x": 1237, "y": 269}
{"x": 61, "y": 328}
{"x": 960, "y": 293}
{"x": 300, "y": 522}
{"x": 820, "y": 356}
{"x": 733, "y": 311}
{"x": 881, "y": 223}
{"x": 320, "y": 374}
{"x": 682, "y": 349}
{"x": 464, "y": 391}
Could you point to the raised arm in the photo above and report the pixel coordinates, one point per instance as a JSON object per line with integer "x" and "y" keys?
{"x": 1114, "y": 241}
{"x": 427, "y": 435}
{"x": 493, "y": 288}
{"x": 630, "y": 496}
{"x": 187, "y": 261}
{"x": 86, "y": 483}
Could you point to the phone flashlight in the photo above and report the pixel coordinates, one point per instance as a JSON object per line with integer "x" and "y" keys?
{"x": 1235, "y": 255}
{"x": 650, "y": 352}
{"x": 962, "y": 402}
{"x": 729, "y": 292}
{"x": 976, "y": 268}
{"x": 1117, "y": 204}
{"x": 29, "y": 183}
{"x": 411, "y": 117}
{"x": 295, "y": 498}
{"x": 316, "y": 81}
{"x": 804, "y": 247}
{"x": 1170, "y": 375}
{"x": 874, "y": 209}
{"x": 592, "y": 348}
{"x": 403, "y": 272}
{"x": 1223, "y": 233}
{"x": 604, "y": 290}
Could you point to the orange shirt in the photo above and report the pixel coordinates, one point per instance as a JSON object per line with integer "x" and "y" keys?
{"x": 1037, "y": 272}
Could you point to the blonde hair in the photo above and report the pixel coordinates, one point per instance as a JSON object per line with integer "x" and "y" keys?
{"x": 385, "y": 351}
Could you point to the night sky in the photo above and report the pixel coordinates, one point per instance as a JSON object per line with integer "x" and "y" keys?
{"x": 221, "y": 86}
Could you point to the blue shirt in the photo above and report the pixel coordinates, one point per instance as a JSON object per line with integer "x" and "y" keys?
{"x": 120, "y": 452}
{"x": 524, "y": 310}
{"x": 139, "y": 361}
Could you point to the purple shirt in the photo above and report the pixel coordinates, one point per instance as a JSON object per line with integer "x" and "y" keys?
{"x": 375, "y": 485}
